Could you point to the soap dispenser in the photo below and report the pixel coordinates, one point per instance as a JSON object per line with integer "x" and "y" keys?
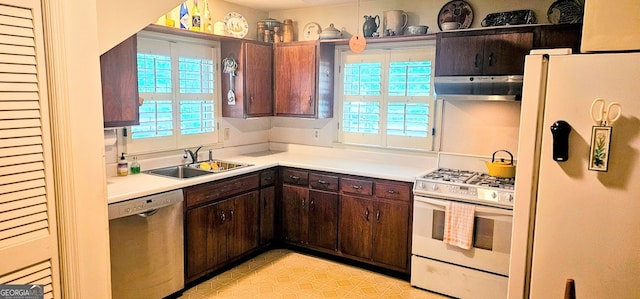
{"x": 123, "y": 166}
{"x": 135, "y": 166}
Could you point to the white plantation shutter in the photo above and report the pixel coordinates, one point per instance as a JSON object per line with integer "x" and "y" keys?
{"x": 28, "y": 245}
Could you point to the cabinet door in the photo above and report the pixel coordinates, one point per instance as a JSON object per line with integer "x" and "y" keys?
{"x": 356, "y": 228}
{"x": 119, "y": 75}
{"x": 323, "y": 219}
{"x": 267, "y": 214}
{"x": 218, "y": 234}
{"x": 206, "y": 234}
{"x": 243, "y": 214}
{"x": 504, "y": 53}
{"x": 197, "y": 223}
{"x": 258, "y": 79}
{"x": 294, "y": 222}
{"x": 295, "y": 79}
{"x": 391, "y": 233}
{"x": 460, "y": 55}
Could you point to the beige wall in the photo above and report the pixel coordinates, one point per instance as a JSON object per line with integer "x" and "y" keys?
{"x": 119, "y": 19}
{"x": 423, "y": 12}
{"x": 480, "y": 127}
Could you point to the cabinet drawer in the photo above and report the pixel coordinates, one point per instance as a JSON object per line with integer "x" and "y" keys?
{"x": 323, "y": 182}
{"x": 393, "y": 191}
{"x": 219, "y": 190}
{"x": 295, "y": 177}
{"x": 355, "y": 186}
{"x": 267, "y": 177}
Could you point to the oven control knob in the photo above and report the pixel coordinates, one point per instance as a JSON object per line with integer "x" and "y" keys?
{"x": 434, "y": 187}
{"x": 510, "y": 197}
{"x": 494, "y": 195}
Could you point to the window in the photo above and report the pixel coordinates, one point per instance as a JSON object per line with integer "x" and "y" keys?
{"x": 387, "y": 98}
{"x": 177, "y": 83}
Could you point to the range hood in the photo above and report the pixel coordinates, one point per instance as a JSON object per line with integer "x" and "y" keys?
{"x": 483, "y": 88}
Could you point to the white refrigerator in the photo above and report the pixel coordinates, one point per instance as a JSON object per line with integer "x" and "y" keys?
{"x": 571, "y": 222}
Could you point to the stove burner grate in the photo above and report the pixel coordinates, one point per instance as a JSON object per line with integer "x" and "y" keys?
{"x": 470, "y": 178}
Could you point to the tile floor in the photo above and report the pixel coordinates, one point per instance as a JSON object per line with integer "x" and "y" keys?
{"x": 283, "y": 273}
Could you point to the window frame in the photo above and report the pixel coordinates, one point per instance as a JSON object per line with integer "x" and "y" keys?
{"x": 382, "y": 140}
{"x": 177, "y": 140}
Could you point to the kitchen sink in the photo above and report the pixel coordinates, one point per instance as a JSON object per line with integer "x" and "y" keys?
{"x": 179, "y": 172}
{"x": 197, "y": 169}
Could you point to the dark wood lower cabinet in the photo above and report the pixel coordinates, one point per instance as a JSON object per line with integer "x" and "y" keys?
{"x": 375, "y": 221}
{"x": 243, "y": 234}
{"x": 356, "y": 229}
{"x": 220, "y": 227}
{"x": 220, "y": 232}
{"x": 363, "y": 219}
{"x": 309, "y": 217}
{"x": 323, "y": 219}
{"x": 391, "y": 234}
{"x": 267, "y": 214}
{"x": 375, "y": 230}
{"x": 294, "y": 225}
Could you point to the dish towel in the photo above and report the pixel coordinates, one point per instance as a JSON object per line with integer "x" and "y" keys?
{"x": 458, "y": 224}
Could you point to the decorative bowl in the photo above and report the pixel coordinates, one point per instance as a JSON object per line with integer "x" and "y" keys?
{"x": 416, "y": 29}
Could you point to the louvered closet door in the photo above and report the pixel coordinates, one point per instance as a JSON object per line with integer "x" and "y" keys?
{"x": 28, "y": 245}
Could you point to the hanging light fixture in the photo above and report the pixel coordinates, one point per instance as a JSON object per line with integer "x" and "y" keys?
{"x": 357, "y": 43}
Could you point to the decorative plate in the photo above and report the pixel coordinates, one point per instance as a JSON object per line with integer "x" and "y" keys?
{"x": 311, "y": 31}
{"x": 565, "y": 11}
{"x": 456, "y": 11}
{"x": 236, "y": 25}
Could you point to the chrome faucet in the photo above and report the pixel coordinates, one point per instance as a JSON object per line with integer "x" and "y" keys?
{"x": 192, "y": 155}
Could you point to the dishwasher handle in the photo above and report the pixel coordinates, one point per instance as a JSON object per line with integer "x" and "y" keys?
{"x": 148, "y": 213}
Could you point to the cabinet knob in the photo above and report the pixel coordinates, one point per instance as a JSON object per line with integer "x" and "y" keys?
{"x": 475, "y": 61}
{"x": 491, "y": 59}
{"x": 391, "y": 191}
{"x": 323, "y": 182}
{"x": 366, "y": 214}
{"x": 357, "y": 187}
{"x": 378, "y": 216}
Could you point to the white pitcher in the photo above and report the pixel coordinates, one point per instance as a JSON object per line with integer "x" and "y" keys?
{"x": 394, "y": 20}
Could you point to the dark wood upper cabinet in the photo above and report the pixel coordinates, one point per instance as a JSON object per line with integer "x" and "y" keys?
{"x": 499, "y": 51}
{"x": 498, "y": 54}
{"x": 253, "y": 81}
{"x": 303, "y": 79}
{"x": 119, "y": 75}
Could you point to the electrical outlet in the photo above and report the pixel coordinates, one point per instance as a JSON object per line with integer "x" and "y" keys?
{"x": 226, "y": 133}
{"x": 316, "y": 134}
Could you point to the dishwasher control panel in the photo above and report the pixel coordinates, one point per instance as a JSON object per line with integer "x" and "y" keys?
{"x": 144, "y": 204}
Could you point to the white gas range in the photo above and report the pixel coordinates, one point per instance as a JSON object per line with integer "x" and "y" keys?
{"x": 479, "y": 272}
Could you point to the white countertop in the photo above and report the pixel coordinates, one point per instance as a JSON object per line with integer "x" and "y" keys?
{"x": 383, "y": 166}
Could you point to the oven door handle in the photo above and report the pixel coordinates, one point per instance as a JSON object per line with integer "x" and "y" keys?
{"x": 479, "y": 209}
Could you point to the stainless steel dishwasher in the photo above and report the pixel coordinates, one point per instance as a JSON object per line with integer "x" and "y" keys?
{"x": 147, "y": 249}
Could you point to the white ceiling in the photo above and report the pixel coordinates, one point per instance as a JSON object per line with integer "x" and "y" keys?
{"x": 269, "y": 5}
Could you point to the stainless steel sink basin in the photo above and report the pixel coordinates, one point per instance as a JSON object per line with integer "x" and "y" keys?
{"x": 179, "y": 172}
{"x": 195, "y": 170}
{"x": 222, "y": 165}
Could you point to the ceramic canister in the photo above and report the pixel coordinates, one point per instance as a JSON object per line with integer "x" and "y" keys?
{"x": 395, "y": 20}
